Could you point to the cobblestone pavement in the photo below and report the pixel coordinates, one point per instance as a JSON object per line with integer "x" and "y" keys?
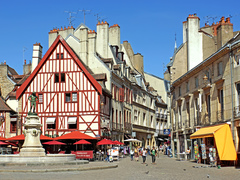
{"x": 166, "y": 168}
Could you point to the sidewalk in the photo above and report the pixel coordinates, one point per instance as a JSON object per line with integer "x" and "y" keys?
{"x": 78, "y": 166}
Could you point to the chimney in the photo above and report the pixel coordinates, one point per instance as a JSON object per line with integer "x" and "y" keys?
{"x": 27, "y": 67}
{"x": 92, "y": 42}
{"x": 224, "y": 32}
{"x": 194, "y": 39}
{"x": 37, "y": 55}
{"x": 102, "y": 39}
{"x": 83, "y": 53}
{"x": 138, "y": 63}
{"x": 114, "y": 35}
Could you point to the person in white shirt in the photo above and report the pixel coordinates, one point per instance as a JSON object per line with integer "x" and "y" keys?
{"x": 132, "y": 153}
{"x": 144, "y": 155}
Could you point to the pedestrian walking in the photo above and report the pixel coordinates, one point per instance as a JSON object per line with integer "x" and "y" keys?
{"x": 154, "y": 154}
{"x": 157, "y": 150}
{"x": 132, "y": 154}
{"x": 161, "y": 148}
{"x": 136, "y": 154}
{"x": 144, "y": 155}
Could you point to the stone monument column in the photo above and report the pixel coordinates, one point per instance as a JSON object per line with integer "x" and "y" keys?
{"x": 32, "y": 131}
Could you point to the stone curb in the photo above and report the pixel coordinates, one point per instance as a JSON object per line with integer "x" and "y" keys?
{"x": 63, "y": 169}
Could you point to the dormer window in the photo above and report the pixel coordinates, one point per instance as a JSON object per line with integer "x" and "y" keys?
{"x": 59, "y": 77}
{"x": 59, "y": 55}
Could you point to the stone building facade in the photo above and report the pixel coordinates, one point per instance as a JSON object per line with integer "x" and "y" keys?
{"x": 207, "y": 93}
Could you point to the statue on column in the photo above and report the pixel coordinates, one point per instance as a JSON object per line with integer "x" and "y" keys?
{"x": 32, "y": 98}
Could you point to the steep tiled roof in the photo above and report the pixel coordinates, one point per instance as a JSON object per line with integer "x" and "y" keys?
{"x": 4, "y": 106}
{"x": 12, "y": 71}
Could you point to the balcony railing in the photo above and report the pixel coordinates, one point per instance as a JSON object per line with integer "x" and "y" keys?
{"x": 116, "y": 126}
{"x": 220, "y": 115}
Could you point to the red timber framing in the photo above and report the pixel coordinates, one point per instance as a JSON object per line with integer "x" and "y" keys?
{"x": 2, "y": 123}
{"x": 69, "y": 95}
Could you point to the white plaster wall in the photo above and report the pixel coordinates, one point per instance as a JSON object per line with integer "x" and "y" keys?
{"x": 13, "y": 104}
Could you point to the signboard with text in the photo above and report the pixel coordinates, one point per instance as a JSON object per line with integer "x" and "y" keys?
{"x": 83, "y": 154}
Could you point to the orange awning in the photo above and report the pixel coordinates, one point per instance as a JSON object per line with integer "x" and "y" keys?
{"x": 223, "y": 139}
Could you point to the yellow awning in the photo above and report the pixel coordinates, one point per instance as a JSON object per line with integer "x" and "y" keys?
{"x": 223, "y": 139}
{"x": 205, "y": 132}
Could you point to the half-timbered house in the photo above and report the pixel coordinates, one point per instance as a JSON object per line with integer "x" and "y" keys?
{"x": 68, "y": 95}
{"x": 8, "y": 123}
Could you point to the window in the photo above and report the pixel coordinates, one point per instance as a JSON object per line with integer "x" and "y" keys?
{"x": 196, "y": 82}
{"x": 179, "y": 114}
{"x": 144, "y": 119}
{"x": 58, "y": 76}
{"x": 144, "y": 99}
{"x": 151, "y": 121}
{"x": 188, "y": 114}
{"x": 238, "y": 93}
{"x": 40, "y": 98}
{"x": 220, "y": 70}
{"x": 51, "y": 123}
{"x": 220, "y": 97}
{"x": 62, "y": 77}
{"x": 13, "y": 125}
{"x": 208, "y": 102}
{"x": 187, "y": 86}
{"x": 71, "y": 97}
{"x": 68, "y": 97}
{"x": 173, "y": 95}
{"x": 237, "y": 59}
{"x": 72, "y": 123}
{"x": 74, "y": 97}
{"x": 59, "y": 55}
{"x": 179, "y": 91}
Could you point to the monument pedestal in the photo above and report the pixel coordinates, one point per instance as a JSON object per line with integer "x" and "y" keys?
{"x": 32, "y": 145}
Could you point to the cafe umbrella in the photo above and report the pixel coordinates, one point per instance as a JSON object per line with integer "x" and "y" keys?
{"x": 105, "y": 142}
{"x": 54, "y": 143}
{"x": 3, "y": 143}
{"x": 81, "y": 142}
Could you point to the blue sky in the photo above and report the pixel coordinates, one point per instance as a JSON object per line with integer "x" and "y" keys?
{"x": 149, "y": 26}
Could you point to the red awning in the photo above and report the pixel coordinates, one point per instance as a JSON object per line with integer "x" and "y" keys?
{"x": 22, "y": 137}
{"x": 75, "y": 135}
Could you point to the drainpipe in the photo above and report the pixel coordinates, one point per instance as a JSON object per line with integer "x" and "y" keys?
{"x": 231, "y": 68}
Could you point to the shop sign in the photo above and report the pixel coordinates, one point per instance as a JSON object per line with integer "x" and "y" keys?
{"x": 166, "y": 131}
{"x": 133, "y": 134}
{"x": 83, "y": 154}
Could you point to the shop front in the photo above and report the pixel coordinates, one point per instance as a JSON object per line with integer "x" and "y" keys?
{"x": 214, "y": 145}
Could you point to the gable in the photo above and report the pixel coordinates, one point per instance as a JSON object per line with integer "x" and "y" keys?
{"x": 72, "y": 64}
